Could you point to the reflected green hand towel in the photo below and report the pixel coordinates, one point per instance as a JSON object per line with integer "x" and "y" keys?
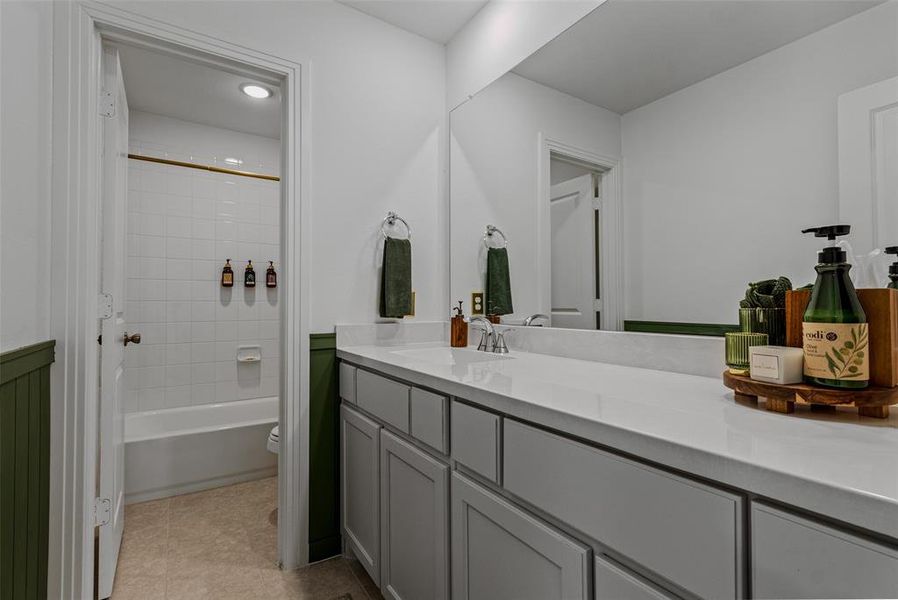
{"x": 396, "y": 279}
{"x": 498, "y": 282}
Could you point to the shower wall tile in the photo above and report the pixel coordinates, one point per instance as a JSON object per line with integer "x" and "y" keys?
{"x": 182, "y": 225}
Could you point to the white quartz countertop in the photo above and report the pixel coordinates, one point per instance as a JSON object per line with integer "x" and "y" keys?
{"x": 839, "y": 465}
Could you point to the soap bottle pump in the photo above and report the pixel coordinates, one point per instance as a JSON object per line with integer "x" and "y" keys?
{"x": 459, "y": 328}
{"x": 834, "y": 332}
{"x": 227, "y": 275}
{"x": 249, "y": 275}
{"x": 893, "y": 268}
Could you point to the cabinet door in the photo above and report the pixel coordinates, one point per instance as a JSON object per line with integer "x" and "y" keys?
{"x": 414, "y": 522}
{"x": 500, "y": 552}
{"x": 794, "y": 557}
{"x": 614, "y": 582}
{"x": 361, "y": 495}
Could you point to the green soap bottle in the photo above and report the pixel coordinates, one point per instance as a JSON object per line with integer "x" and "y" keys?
{"x": 835, "y": 336}
{"x": 893, "y": 268}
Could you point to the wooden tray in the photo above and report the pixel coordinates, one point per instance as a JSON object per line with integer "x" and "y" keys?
{"x": 870, "y": 402}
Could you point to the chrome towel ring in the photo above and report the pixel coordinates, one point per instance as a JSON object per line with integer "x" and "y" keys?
{"x": 492, "y": 230}
{"x": 390, "y": 220}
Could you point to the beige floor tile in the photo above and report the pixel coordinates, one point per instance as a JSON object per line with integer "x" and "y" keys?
{"x": 322, "y": 581}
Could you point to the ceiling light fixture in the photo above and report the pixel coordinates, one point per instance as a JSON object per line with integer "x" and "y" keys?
{"x": 254, "y": 90}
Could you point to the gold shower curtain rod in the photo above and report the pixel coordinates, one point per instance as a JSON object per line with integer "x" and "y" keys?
{"x": 212, "y": 168}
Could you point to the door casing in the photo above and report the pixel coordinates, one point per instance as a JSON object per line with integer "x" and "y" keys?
{"x": 79, "y": 29}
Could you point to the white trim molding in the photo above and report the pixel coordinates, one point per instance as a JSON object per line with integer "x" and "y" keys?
{"x": 79, "y": 28}
{"x": 611, "y": 269}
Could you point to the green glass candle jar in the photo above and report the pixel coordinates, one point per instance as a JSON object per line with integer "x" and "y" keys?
{"x": 771, "y": 321}
{"x": 737, "y": 345}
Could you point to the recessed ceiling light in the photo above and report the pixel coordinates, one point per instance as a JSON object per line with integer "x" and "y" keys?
{"x": 254, "y": 90}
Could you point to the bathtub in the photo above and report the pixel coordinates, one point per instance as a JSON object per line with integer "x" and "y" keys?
{"x": 180, "y": 450}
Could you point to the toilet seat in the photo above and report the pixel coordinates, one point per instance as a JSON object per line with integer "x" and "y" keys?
{"x": 273, "y": 440}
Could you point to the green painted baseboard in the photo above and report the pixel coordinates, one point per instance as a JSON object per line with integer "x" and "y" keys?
{"x": 25, "y": 470}
{"x": 324, "y": 448}
{"x": 709, "y": 329}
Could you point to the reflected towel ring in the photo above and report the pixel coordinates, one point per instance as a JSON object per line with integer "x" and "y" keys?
{"x": 492, "y": 230}
{"x": 390, "y": 220}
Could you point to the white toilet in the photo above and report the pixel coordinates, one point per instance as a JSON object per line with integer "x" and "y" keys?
{"x": 273, "y": 438}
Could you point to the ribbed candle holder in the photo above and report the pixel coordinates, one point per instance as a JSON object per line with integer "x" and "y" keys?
{"x": 771, "y": 321}
{"x": 737, "y": 345}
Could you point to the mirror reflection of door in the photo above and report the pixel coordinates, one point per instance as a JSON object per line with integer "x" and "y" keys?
{"x": 574, "y": 224}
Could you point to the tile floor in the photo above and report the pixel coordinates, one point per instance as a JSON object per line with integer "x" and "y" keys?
{"x": 222, "y": 544}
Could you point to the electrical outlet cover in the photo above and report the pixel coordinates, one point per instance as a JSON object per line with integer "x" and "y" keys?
{"x": 476, "y": 303}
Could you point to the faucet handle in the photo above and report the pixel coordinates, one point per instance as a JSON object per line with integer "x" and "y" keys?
{"x": 484, "y": 345}
{"x": 499, "y": 346}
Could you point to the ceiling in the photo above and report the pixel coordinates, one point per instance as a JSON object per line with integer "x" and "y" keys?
{"x": 628, "y": 53}
{"x": 176, "y": 87}
{"x": 436, "y": 20}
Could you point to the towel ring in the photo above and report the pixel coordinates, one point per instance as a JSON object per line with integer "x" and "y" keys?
{"x": 390, "y": 220}
{"x": 491, "y": 230}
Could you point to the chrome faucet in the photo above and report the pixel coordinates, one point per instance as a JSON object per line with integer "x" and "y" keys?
{"x": 488, "y": 335}
{"x": 529, "y": 320}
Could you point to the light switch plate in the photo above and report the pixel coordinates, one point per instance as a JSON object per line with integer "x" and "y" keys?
{"x": 476, "y": 303}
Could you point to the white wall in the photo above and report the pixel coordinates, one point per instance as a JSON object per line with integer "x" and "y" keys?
{"x": 25, "y": 109}
{"x": 494, "y": 155}
{"x": 719, "y": 178}
{"x": 502, "y": 34}
{"x": 182, "y": 225}
{"x": 376, "y": 136}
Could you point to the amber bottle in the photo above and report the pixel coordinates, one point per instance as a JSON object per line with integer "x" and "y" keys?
{"x": 271, "y": 278}
{"x": 249, "y": 276}
{"x": 227, "y": 275}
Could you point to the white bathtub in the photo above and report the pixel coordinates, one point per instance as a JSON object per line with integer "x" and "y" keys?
{"x": 181, "y": 450}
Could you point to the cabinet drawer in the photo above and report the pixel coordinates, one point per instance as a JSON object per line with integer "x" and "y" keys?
{"x": 794, "y": 557}
{"x": 383, "y": 398}
{"x": 474, "y": 441}
{"x": 665, "y": 523}
{"x": 347, "y": 382}
{"x": 428, "y": 418}
{"x": 614, "y": 582}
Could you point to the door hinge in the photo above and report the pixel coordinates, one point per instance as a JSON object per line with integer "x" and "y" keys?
{"x": 107, "y": 104}
{"x": 102, "y": 511}
{"x": 104, "y": 306}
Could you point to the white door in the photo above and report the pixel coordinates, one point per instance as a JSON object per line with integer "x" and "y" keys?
{"x": 868, "y": 165}
{"x": 573, "y": 249}
{"x": 110, "y": 502}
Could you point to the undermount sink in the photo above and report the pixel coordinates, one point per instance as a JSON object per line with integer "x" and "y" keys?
{"x": 451, "y": 356}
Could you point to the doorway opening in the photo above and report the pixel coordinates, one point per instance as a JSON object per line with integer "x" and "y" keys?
{"x": 190, "y": 355}
{"x": 575, "y": 232}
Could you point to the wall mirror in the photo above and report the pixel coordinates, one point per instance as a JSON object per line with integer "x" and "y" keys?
{"x": 656, "y": 157}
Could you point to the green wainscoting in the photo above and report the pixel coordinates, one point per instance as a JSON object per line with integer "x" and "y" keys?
{"x": 709, "y": 329}
{"x": 324, "y": 448}
{"x": 24, "y": 470}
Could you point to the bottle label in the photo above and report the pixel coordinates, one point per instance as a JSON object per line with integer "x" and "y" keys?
{"x": 836, "y": 351}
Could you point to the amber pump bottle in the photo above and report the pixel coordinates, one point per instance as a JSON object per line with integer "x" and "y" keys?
{"x": 249, "y": 276}
{"x": 459, "y": 328}
{"x": 271, "y": 277}
{"x": 227, "y": 275}
{"x": 834, "y": 332}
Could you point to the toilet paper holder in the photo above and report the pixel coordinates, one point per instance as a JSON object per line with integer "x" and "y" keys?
{"x": 249, "y": 354}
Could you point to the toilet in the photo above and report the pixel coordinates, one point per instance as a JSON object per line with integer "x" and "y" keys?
{"x": 273, "y": 438}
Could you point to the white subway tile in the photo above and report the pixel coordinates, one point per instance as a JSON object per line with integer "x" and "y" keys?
{"x": 248, "y": 211}
{"x": 269, "y": 234}
{"x": 225, "y": 391}
{"x": 228, "y": 190}
{"x": 177, "y": 311}
{"x": 180, "y": 206}
{"x": 203, "y": 373}
{"x": 179, "y": 268}
{"x": 248, "y": 331}
{"x": 176, "y": 333}
{"x": 179, "y": 247}
{"x": 152, "y": 311}
{"x": 225, "y": 230}
{"x": 226, "y": 370}
{"x": 203, "y": 393}
{"x": 202, "y": 352}
{"x": 270, "y": 349}
{"x": 225, "y": 331}
{"x": 177, "y": 375}
{"x": 153, "y": 377}
{"x": 153, "y": 399}
{"x": 268, "y": 387}
{"x": 204, "y": 249}
{"x": 153, "y": 181}
{"x": 178, "y": 226}
{"x": 153, "y": 203}
{"x": 204, "y": 186}
{"x": 203, "y": 332}
{"x": 149, "y": 224}
{"x": 177, "y": 354}
{"x": 270, "y": 367}
{"x": 149, "y": 268}
{"x": 203, "y": 208}
{"x": 204, "y": 270}
{"x": 225, "y": 351}
{"x": 202, "y": 311}
{"x": 179, "y": 184}
{"x": 248, "y": 232}
{"x": 269, "y": 330}
{"x": 178, "y": 396}
{"x": 226, "y": 312}
{"x": 203, "y": 229}
{"x": 226, "y": 210}
{"x": 178, "y": 290}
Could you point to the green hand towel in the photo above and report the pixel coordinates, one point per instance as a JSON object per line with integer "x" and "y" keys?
{"x": 498, "y": 282}
{"x": 396, "y": 279}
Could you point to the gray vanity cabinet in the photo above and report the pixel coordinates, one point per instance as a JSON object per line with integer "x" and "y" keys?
{"x": 414, "y": 497}
{"x": 794, "y": 557}
{"x": 615, "y": 582}
{"x": 499, "y": 551}
{"x": 360, "y": 443}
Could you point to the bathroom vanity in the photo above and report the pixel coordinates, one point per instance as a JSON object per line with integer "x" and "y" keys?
{"x": 475, "y": 476}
